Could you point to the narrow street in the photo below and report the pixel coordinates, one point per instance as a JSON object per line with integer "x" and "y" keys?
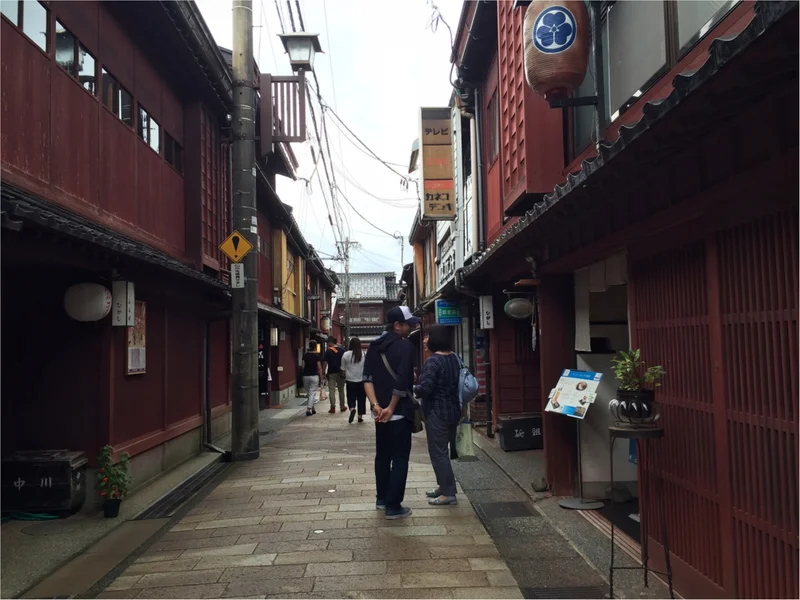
{"x": 301, "y": 522}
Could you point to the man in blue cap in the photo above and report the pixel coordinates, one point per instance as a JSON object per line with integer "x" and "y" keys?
{"x": 388, "y": 381}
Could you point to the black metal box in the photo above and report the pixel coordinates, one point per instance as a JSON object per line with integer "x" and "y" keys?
{"x": 44, "y": 481}
{"x": 520, "y": 432}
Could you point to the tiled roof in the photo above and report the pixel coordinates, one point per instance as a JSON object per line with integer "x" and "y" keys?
{"x": 370, "y": 286}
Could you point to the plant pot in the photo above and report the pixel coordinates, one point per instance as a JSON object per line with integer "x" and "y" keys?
{"x": 111, "y": 508}
{"x": 637, "y": 408}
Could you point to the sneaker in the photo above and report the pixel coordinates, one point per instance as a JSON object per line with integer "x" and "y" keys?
{"x": 380, "y": 505}
{"x": 309, "y": 413}
{"x": 360, "y": 420}
{"x": 432, "y": 494}
{"x": 332, "y": 410}
{"x": 398, "y": 513}
{"x": 352, "y": 416}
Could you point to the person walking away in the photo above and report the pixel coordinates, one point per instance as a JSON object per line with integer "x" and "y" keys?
{"x": 313, "y": 378}
{"x": 353, "y": 370}
{"x": 333, "y": 363}
{"x": 388, "y": 379}
{"x": 438, "y": 390}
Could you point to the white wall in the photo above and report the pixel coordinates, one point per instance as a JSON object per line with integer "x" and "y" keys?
{"x": 595, "y": 442}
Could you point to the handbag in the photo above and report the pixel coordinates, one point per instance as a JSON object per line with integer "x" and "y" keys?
{"x": 416, "y": 409}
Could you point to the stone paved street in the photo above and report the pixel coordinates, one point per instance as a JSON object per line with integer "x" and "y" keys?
{"x": 300, "y": 522}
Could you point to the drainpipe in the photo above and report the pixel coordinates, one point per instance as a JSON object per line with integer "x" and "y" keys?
{"x": 479, "y": 195}
{"x": 207, "y": 382}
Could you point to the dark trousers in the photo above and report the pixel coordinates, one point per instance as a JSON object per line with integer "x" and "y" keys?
{"x": 357, "y": 396}
{"x": 392, "y": 451}
{"x": 439, "y": 433}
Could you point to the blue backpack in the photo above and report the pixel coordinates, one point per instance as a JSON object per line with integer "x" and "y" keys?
{"x": 468, "y": 385}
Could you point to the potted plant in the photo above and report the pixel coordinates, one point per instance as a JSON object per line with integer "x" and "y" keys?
{"x": 113, "y": 481}
{"x": 636, "y": 388}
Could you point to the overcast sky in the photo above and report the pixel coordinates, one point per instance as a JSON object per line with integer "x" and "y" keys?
{"x": 381, "y": 64}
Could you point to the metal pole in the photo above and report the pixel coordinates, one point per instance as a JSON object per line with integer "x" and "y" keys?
{"x": 245, "y": 444}
{"x": 346, "y": 246}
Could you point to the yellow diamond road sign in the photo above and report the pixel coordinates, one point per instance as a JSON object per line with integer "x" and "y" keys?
{"x": 236, "y": 246}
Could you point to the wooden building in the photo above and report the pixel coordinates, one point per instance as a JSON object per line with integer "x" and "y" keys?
{"x": 677, "y": 234}
{"x": 116, "y": 166}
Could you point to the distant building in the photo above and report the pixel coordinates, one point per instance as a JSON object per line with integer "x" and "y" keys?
{"x": 371, "y": 296}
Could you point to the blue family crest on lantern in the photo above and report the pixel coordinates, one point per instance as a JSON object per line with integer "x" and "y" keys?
{"x": 555, "y": 30}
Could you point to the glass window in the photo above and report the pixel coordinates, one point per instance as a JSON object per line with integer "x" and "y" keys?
{"x": 10, "y": 10}
{"x": 65, "y": 49}
{"x": 154, "y": 135}
{"x": 87, "y": 74}
{"x": 697, "y": 17}
{"x": 178, "y": 159}
{"x": 637, "y": 49}
{"x": 34, "y": 23}
{"x": 117, "y": 99}
{"x": 169, "y": 148}
{"x": 143, "y": 125}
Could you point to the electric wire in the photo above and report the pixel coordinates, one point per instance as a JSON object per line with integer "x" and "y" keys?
{"x": 300, "y": 16}
{"x": 363, "y": 218}
{"x": 291, "y": 14}
{"x": 280, "y": 16}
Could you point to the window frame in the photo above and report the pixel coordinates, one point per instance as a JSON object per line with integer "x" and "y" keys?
{"x": 177, "y": 152}
{"x": 20, "y": 26}
{"x": 493, "y": 127}
{"x": 118, "y": 87}
{"x": 75, "y": 74}
{"x": 139, "y": 129}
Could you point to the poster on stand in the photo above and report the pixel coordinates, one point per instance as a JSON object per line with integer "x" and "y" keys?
{"x": 574, "y": 393}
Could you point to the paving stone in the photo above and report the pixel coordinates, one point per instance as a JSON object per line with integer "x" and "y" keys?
{"x": 301, "y": 546}
{"x": 248, "y": 512}
{"x": 125, "y": 582}
{"x": 211, "y": 542}
{"x": 297, "y": 558}
{"x": 305, "y": 479}
{"x": 226, "y": 562}
{"x": 163, "y": 566}
{"x": 223, "y": 523}
{"x": 474, "y": 551}
{"x": 503, "y": 578}
{"x": 341, "y": 534}
{"x": 474, "y": 528}
{"x": 174, "y": 536}
{"x": 120, "y": 594}
{"x": 268, "y": 572}
{"x": 487, "y": 592}
{"x": 487, "y": 564}
{"x": 220, "y": 551}
{"x": 182, "y": 578}
{"x": 201, "y": 517}
{"x": 357, "y": 582}
{"x": 413, "y": 530}
{"x": 185, "y": 591}
{"x": 311, "y": 525}
{"x": 552, "y": 573}
{"x": 320, "y": 595}
{"x": 277, "y": 536}
{"x": 370, "y": 514}
{"x": 245, "y": 529}
{"x": 398, "y": 593}
{"x": 429, "y": 566}
{"x": 351, "y": 568}
{"x": 280, "y": 588}
{"x": 391, "y": 554}
{"x": 157, "y": 556}
{"x": 302, "y": 510}
{"x": 445, "y": 580}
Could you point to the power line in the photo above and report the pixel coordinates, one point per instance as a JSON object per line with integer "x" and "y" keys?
{"x": 280, "y": 17}
{"x": 367, "y": 221}
{"x": 291, "y": 14}
{"x": 300, "y": 16}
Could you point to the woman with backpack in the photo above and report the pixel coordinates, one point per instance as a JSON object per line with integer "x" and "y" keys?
{"x": 353, "y": 369}
{"x": 438, "y": 388}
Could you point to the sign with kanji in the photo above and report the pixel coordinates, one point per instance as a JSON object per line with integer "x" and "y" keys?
{"x": 447, "y": 313}
{"x": 438, "y": 197}
{"x": 235, "y": 247}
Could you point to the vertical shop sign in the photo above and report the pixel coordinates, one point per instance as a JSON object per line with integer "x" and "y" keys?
{"x": 137, "y": 341}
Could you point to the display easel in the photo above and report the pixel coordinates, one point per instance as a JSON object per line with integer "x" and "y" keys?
{"x": 640, "y": 434}
{"x": 580, "y": 503}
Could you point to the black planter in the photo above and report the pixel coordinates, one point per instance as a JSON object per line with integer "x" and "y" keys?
{"x": 637, "y": 408}
{"x": 111, "y": 508}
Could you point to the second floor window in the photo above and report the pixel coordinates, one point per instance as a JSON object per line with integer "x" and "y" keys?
{"x": 30, "y": 16}
{"x": 117, "y": 99}
{"x": 148, "y": 130}
{"x": 173, "y": 153}
{"x": 493, "y": 125}
{"x": 75, "y": 59}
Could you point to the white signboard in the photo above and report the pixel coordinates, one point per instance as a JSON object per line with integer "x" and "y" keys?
{"x": 237, "y": 276}
{"x": 487, "y": 312}
{"x": 123, "y": 304}
{"x": 574, "y": 393}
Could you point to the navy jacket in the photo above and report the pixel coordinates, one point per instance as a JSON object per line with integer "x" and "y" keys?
{"x": 400, "y": 354}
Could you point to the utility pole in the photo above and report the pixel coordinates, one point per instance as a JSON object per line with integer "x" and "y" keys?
{"x": 399, "y": 236}
{"x": 245, "y": 444}
{"x": 346, "y": 248}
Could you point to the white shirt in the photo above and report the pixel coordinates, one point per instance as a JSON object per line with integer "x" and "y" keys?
{"x": 353, "y": 371}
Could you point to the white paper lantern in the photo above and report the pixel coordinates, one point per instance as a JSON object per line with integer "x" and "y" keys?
{"x": 87, "y": 302}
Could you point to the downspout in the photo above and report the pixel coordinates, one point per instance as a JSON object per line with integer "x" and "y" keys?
{"x": 479, "y": 194}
